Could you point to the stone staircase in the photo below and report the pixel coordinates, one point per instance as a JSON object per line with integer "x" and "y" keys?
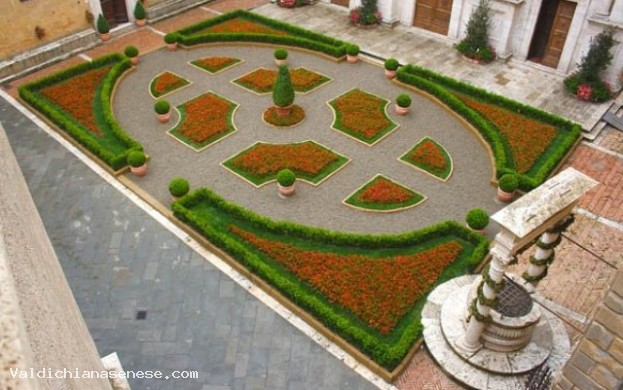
{"x": 613, "y": 117}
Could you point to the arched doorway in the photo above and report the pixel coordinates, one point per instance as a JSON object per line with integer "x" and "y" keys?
{"x": 114, "y": 11}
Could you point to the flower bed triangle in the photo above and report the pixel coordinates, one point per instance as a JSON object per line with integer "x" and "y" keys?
{"x": 382, "y": 194}
{"x": 430, "y": 157}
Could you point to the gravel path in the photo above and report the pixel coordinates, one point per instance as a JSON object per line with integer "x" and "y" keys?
{"x": 316, "y": 206}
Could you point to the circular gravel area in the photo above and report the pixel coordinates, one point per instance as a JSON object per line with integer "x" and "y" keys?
{"x": 468, "y": 187}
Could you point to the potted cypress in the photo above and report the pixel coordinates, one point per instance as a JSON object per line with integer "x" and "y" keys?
{"x": 132, "y": 53}
{"x": 477, "y": 220}
{"x": 103, "y": 28}
{"x": 507, "y": 185}
{"x": 285, "y": 182}
{"x": 139, "y": 14}
{"x": 403, "y": 104}
{"x": 171, "y": 40}
{"x": 178, "y": 187}
{"x": 163, "y": 110}
{"x": 283, "y": 92}
{"x": 138, "y": 162}
{"x": 281, "y": 57}
{"x": 352, "y": 54}
{"x": 391, "y": 66}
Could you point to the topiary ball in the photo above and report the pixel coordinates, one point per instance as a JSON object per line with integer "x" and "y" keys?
{"x": 136, "y": 158}
{"x": 179, "y": 187}
{"x": 509, "y": 182}
{"x": 477, "y": 219}
{"x": 286, "y": 177}
{"x": 162, "y": 107}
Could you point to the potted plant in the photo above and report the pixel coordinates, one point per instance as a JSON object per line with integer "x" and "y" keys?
{"x": 171, "y": 40}
{"x": 475, "y": 46}
{"x": 352, "y": 53}
{"x": 132, "y": 53}
{"x": 391, "y": 66}
{"x": 283, "y": 92}
{"x": 138, "y": 162}
{"x": 285, "y": 182}
{"x": 163, "y": 110}
{"x": 139, "y": 14}
{"x": 477, "y": 220}
{"x": 507, "y": 185}
{"x": 178, "y": 187}
{"x": 103, "y": 28}
{"x": 281, "y": 56}
{"x": 403, "y": 104}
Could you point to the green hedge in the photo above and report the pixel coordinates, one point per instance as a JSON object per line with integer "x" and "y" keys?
{"x": 389, "y": 350}
{"x": 116, "y": 160}
{"x": 442, "y": 87}
{"x": 299, "y": 37}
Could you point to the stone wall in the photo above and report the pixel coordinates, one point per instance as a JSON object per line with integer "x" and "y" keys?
{"x": 41, "y": 326}
{"x": 597, "y": 362}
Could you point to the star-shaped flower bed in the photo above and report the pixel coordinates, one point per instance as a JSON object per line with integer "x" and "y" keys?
{"x": 215, "y": 65}
{"x": 430, "y": 157}
{"x": 362, "y": 116}
{"x": 383, "y": 195}
{"x": 261, "y": 80}
{"x": 165, "y": 83}
{"x": 204, "y": 120}
{"x": 310, "y": 161}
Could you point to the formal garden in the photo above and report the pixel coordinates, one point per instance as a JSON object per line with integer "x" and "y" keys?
{"x": 309, "y": 171}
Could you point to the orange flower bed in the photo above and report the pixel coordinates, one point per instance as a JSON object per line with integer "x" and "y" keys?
{"x": 166, "y": 82}
{"x": 76, "y": 96}
{"x": 527, "y": 139}
{"x": 429, "y": 156}
{"x": 380, "y": 291}
{"x": 384, "y": 191}
{"x": 262, "y": 80}
{"x": 240, "y": 25}
{"x": 205, "y": 118}
{"x": 215, "y": 64}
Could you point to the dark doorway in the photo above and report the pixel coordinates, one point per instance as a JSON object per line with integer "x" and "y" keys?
{"x": 551, "y": 32}
{"x": 114, "y": 11}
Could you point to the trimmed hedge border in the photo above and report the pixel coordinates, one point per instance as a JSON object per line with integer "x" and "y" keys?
{"x": 300, "y": 37}
{"x": 387, "y": 351}
{"x": 441, "y": 87}
{"x": 30, "y": 94}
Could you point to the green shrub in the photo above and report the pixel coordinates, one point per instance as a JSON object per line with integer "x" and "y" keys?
{"x": 136, "y": 158}
{"x": 477, "y": 219}
{"x": 131, "y": 51}
{"x": 598, "y": 57}
{"x": 281, "y": 54}
{"x": 352, "y": 50}
{"x": 171, "y": 38}
{"x": 286, "y": 177}
{"x": 102, "y": 25}
{"x": 476, "y": 42}
{"x": 508, "y": 182}
{"x": 162, "y": 106}
{"x": 283, "y": 91}
{"x": 403, "y": 100}
{"x": 139, "y": 10}
{"x": 179, "y": 187}
{"x": 391, "y": 64}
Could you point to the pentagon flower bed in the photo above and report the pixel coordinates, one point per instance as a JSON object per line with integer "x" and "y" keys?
{"x": 77, "y": 100}
{"x": 262, "y": 80}
{"x": 165, "y": 83}
{"x": 362, "y": 116}
{"x": 367, "y": 289}
{"x": 215, "y": 64}
{"x": 205, "y": 120}
{"x": 261, "y": 162}
{"x": 383, "y": 194}
{"x": 431, "y": 157}
{"x": 297, "y": 114}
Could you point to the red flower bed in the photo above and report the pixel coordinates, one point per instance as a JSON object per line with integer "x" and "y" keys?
{"x": 267, "y": 159}
{"x": 215, "y": 64}
{"x": 429, "y": 156}
{"x": 165, "y": 83}
{"x": 262, "y": 80}
{"x": 385, "y": 191}
{"x": 380, "y": 291}
{"x": 76, "y": 96}
{"x": 361, "y": 114}
{"x": 206, "y": 117}
{"x": 240, "y": 25}
{"x": 527, "y": 139}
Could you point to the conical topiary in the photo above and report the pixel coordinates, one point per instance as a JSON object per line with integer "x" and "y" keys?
{"x": 102, "y": 25}
{"x": 139, "y": 11}
{"x": 283, "y": 91}
{"x": 476, "y": 42}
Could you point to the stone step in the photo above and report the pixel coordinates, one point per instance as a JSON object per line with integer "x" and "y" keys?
{"x": 171, "y": 8}
{"x": 614, "y": 113}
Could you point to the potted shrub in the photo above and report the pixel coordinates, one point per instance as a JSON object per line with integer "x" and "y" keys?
{"x": 283, "y": 92}
{"x": 403, "y": 104}
{"x": 132, "y": 53}
{"x": 163, "y": 110}
{"x": 281, "y": 56}
{"x": 138, "y": 162}
{"x": 171, "y": 40}
{"x": 178, "y": 187}
{"x": 477, "y": 220}
{"x": 352, "y": 53}
{"x": 139, "y": 14}
{"x": 391, "y": 66}
{"x": 103, "y": 28}
{"x": 507, "y": 185}
{"x": 285, "y": 182}
{"x": 476, "y": 46}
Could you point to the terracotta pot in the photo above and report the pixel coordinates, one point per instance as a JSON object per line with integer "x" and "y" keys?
{"x": 134, "y": 60}
{"x": 402, "y": 110}
{"x": 285, "y": 191}
{"x": 163, "y": 118}
{"x": 140, "y": 22}
{"x": 283, "y": 111}
{"x": 172, "y": 46}
{"x": 504, "y": 196}
{"x": 105, "y": 37}
{"x": 352, "y": 59}
{"x": 139, "y": 171}
{"x": 390, "y": 74}
{"x": 280, "y": 62}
